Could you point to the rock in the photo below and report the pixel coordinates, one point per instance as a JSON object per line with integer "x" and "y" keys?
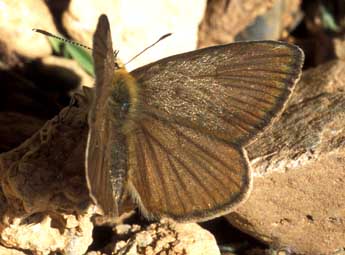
{"x": 224, "y": 19}
{"x": 8, "y": 251}
{"x": 339, "y": 47}
{"x": 167, "y": 237}
{"x": 22, "y": 125}
{"x": 46, "y": 235}
{"x": 44, "y": 199}
{"x": 275, "y": 23}
{"x": 298, "y": 196}
{"x": 137, "y": 24}
{"x": 39, "y": 170}
{"x": 95, "y": 253}
{"x": 16, "y": 23}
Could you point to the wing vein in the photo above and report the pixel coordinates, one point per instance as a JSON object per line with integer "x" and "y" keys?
{"x": 208, "y": 153}
{"x": 140, "y": 157}
{"x": 183, "y": 186}
{"x": 249, "y": 80}
{"x": 156, "y": 165}
{"x": 191, "y": 173}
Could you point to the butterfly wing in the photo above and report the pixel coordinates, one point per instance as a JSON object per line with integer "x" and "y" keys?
{"x": 198, "y": 110}
{"x": 181, "y": 173}
{"x": 100, "y": 139}
{"x": 230, "y": 91}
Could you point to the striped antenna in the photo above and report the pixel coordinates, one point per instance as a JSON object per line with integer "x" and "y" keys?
{"x": 60, "y": 38}
{"x": 66, "y": 40}
{"x": 116, "y": 52}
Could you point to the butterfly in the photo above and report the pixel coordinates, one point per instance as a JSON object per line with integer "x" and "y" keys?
{"x": 172, "y": 133}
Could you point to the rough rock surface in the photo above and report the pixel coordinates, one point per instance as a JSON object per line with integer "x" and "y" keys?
{"x": 137, "y": 24}
{"x": 44, "y": 200}
{"x": 8, "y": 251}
{"x": 164, "y": 238}
{"x": 43, "y": 233}
{"x": 224, "y": 19}
{"x": 299, "y": 166}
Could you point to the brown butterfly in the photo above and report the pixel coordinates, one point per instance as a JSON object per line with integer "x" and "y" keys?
{"x": 172, "y": 133}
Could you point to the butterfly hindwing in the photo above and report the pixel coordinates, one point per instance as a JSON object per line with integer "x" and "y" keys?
{"x": 181, "y": 173}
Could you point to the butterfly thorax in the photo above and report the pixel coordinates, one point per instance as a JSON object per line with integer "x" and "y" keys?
{"x": 123, "y": 100}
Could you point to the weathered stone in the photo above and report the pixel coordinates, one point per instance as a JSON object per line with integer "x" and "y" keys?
{"x": 224, "y": 19}
{"x": 8, "y": 251}
{"x": 44, "y": 198}
{"x": 275, "y": 23}
{"x": 48, "y": 234}
{"x": 299, "y": 165}
{"x": 168, "y": 237}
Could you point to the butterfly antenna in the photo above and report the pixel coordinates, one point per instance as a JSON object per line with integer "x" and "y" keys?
{"x": 141, "y": 52}
{"x": 66, "y": 40}
{"x": 61, "y": 38}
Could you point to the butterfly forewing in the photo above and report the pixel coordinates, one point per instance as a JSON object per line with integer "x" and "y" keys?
{"x": 101, "y": 138}
{"x": 230, "y": 92}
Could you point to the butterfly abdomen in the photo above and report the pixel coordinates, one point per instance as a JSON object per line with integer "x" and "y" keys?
{"x": 123, "y": 101}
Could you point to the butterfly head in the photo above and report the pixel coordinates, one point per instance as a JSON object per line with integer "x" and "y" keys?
{"x": 118, "y": 63}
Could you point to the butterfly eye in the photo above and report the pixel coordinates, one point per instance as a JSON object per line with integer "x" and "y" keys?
{"x": 125, "y": 107}
{"x": 117, "y": 66}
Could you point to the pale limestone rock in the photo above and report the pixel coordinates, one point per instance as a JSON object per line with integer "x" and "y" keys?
{"x": 45, "y": 236}
{"x": 339, "y": 47}
{"x": 95, "y": 253}
{"x": 299, "y": 166}
{"x": 169, "y": 237}
{"x": 135, "y": 24}
{"x": 8, "y": 251}
{"x": 17, "y": 20}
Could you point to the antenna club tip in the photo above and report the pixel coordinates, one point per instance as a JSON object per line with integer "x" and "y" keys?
{"x": 165, "y": 36}
{"x": 41, "y": 31}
